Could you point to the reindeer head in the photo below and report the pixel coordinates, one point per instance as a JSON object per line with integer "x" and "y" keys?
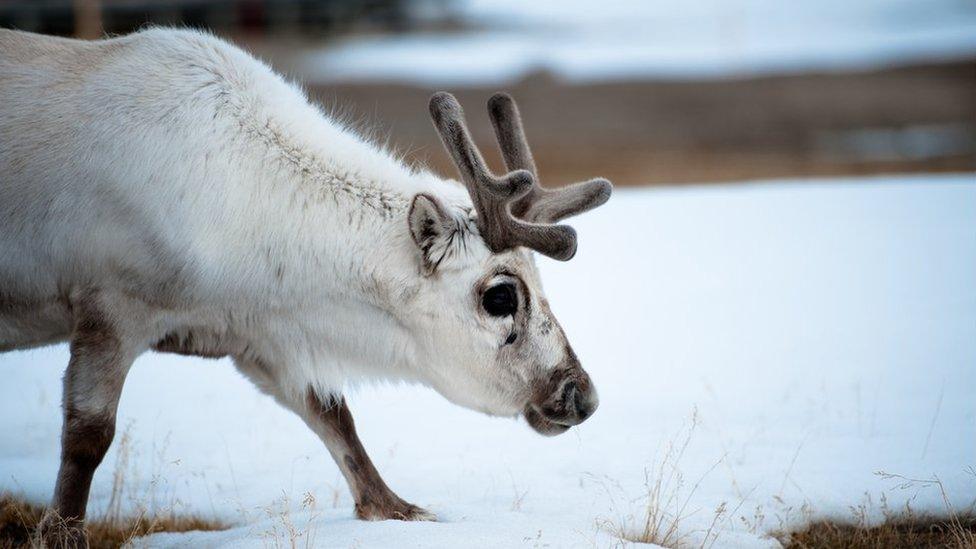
{"x": 494, "y": 343}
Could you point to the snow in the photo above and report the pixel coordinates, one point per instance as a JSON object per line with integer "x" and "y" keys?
{"x": 823, "y": 330}
{"x": 627, "y": 39}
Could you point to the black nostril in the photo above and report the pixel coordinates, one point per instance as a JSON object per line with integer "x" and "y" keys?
{"x": 571, "y": 397}
{"x": 582, "y": 409}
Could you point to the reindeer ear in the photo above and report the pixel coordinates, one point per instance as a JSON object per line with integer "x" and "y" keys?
{"x": 430, "y": 226}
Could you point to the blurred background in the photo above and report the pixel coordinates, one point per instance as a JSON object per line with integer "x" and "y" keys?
{"x": 642, "y": 92}
{"x": 820, "y": 329}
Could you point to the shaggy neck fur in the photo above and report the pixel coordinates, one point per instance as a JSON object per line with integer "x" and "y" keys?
{"x": 348, "y": 248}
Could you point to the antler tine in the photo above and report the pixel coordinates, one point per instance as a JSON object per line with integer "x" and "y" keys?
{"x": 507, "y": 122}
{"x": 539, "y": 204}
{"x": 448, "y": 117}
{"x": 493, "y": 195}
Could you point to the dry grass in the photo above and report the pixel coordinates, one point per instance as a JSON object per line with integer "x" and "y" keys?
{"x": 666, "y": 503}
{"x": 900, "y": 533}
{"x": 872, "y": 524}
{"x": 901, "y": 529}
{"x": 19, "y": 519}
{"x": 284, "y": 533}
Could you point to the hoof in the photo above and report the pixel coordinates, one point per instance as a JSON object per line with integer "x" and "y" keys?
{"x": 393, "y": 510}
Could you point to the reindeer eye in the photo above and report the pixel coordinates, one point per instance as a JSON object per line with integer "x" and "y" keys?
{"x": 500, "y": 300}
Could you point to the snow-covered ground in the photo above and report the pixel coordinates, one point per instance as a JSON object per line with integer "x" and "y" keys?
{"x": 823, "y": 330}
{"x": 613, "y": 39}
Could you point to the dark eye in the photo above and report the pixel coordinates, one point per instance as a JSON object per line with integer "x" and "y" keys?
{"x": 500, "y": 300}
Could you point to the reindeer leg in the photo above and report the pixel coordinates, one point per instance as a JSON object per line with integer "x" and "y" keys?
{"x": 93, "y": 382}
{"x": 331, "y": 421}
{"x": 374, "y": 500}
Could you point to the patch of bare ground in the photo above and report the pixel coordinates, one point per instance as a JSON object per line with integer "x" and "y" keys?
{"x": 19, "y": 519}
{"x": 905, "y": 531}
{"x": 900, "y": 529}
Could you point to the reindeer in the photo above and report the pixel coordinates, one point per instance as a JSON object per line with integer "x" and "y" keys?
{"x": 166, "y": 191}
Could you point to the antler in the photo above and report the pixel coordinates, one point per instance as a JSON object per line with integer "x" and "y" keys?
{"x": 540, "y": 205}
{"x": 513, "y": 210}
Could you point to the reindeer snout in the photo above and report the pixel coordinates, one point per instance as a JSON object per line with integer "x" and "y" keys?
{"x": 569, "y": 400}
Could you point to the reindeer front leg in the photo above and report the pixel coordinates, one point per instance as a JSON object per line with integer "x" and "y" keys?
{"x": 331, "y": 420}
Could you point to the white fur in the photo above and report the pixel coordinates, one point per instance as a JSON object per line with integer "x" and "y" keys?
{"x": 172, "y": 170}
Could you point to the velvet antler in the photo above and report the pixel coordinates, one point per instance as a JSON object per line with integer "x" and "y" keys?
{"x": 513, "y": 210}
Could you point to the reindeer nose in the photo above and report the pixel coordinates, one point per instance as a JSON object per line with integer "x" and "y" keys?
{"x": 584, "y": 402}
{"x": 573, "y": 396}
{"x": 571, "y": 402}
{"x": 573, "y": 405}
{"x": 580, "y": 402}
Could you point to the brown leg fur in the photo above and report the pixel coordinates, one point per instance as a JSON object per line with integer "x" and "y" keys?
{"x": 374, "y": 499}
{"x": 92, "y": 386}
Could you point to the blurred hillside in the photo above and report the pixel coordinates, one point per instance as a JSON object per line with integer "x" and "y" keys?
{"x": 641, "y": 92}
{"x": 905, "y": 119}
